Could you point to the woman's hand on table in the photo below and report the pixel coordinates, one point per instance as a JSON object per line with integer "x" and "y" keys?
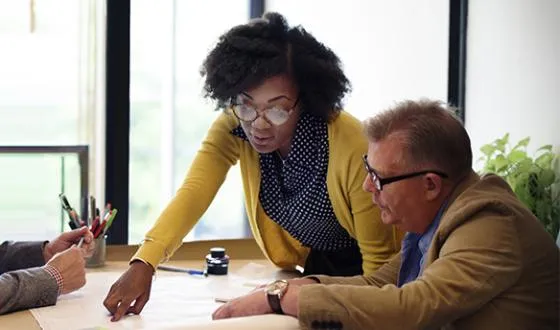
{"x": 131, "y": 292}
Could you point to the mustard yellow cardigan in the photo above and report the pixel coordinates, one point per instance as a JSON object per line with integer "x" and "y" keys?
{"x": 220, "y": 150}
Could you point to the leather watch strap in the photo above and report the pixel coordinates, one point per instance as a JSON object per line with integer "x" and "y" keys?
{"x": 274, "y": 302}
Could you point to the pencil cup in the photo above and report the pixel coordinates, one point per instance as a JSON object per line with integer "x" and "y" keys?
{"x": 98, "y": 257}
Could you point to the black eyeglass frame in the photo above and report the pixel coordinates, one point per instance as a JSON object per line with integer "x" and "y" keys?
{"x": 379, "y": 182}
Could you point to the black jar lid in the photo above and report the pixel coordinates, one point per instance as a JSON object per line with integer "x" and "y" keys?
{"x": 217, "y": 252}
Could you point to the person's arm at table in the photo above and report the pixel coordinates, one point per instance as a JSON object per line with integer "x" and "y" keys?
{"x": 256, "y": 303}
{"x": 37, "y": 286}
{"x": 219, "y": 151}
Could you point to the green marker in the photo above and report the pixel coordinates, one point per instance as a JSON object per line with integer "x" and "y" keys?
{"x": 110, "y": 220}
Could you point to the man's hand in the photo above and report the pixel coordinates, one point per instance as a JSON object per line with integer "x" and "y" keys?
{"x": 256, "y": 302}
{"x": 71, "y": 266}
{"x": 133, "y": 286}
{"x": 66, "y": 240}
{"x": 253, "y": 303}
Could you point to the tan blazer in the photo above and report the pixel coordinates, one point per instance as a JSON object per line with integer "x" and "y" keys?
{"x": 491, "y": 265}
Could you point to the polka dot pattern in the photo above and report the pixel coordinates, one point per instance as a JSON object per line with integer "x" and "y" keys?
{"x": 294, "y": 192}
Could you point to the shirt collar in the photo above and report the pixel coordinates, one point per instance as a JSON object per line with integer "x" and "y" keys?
{"x": 426, "y": 238}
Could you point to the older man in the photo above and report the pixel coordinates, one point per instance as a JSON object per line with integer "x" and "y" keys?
{"x": 474, "y": 256}
{"x": 34, "y": 274}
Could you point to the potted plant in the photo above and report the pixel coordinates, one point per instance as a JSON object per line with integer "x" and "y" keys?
{"x": 535, "y": 180}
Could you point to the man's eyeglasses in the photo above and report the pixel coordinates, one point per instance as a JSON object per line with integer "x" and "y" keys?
{"x": 380, "y": 182}
{"x": 276, "y": 115}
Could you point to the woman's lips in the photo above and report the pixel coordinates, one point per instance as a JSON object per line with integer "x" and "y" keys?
{"x": 261, "y": 140}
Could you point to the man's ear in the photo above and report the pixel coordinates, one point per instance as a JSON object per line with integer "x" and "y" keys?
{"x": 433, "y": 186}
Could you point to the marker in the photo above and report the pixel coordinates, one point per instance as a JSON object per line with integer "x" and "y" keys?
{"x": 183, "y": 270}
{"x": 112, "y": 215}
{"x": 95, "y": 225}
{"x": 99, "y": 231}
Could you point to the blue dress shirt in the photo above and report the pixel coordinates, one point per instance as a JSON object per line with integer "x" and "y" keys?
{"x": 414, "y": 248}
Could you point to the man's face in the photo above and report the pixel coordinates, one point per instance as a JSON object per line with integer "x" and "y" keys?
{"x": 410, "y": 204}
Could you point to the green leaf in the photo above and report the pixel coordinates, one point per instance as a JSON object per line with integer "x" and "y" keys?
{"x": 547, "y": 177}
{"x": 488, "y": 149}
{"x": 543, "y": 211}
{"x": 525, "y": 197}
{"x": 489, "y": 167}
{"x": 547, "y": 147}
{"x": 516, "y": 156}
{"x": 500, "y": 163}
{"x": 522, "y": 143}
{"x": 501, "y": 143}
{"x": 545, "y": 160}
{"x": 504, "y": 140}
{"x": 524, "y": 165}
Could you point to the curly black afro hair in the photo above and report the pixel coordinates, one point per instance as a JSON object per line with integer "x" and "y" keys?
{"x": 248, "y": 54}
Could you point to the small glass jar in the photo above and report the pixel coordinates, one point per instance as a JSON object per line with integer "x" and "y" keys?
{"x": 217, "y": 261}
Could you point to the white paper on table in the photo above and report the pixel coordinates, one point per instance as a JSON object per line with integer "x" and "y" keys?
{"x": 177, "y": 301}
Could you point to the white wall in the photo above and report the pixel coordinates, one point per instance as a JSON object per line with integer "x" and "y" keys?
{"x": 513, "y": 71}
{"x": 391, "y": 49}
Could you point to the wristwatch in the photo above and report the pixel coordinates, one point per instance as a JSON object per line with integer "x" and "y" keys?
{"x": 274, "y": 293}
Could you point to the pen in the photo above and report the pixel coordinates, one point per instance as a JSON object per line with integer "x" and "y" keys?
{"x": 183, "y": 270}
{"x": 92, "y": 208}
{"x": 74, "y": 223}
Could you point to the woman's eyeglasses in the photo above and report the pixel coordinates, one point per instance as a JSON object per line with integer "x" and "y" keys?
{"x": 380, "y": 182}
{"x": 276, "y": 115}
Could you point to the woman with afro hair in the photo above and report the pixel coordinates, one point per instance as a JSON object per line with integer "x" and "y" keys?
{"x": 281, "y": 94}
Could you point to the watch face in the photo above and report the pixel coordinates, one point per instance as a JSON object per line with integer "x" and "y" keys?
{"x": 277, "y": 287}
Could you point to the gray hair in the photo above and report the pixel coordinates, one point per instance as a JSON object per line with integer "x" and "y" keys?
{"x": 432, "y": 135}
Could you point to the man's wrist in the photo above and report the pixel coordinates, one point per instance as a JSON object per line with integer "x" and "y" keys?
{"x": 55, "y": 273}
{"x": 290, "y": 301}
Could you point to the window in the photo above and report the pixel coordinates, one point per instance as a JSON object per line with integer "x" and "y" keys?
{"x": 169, "y": 116}
{"x": 47, "y": 97}
{"x": 30, "y": 185}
